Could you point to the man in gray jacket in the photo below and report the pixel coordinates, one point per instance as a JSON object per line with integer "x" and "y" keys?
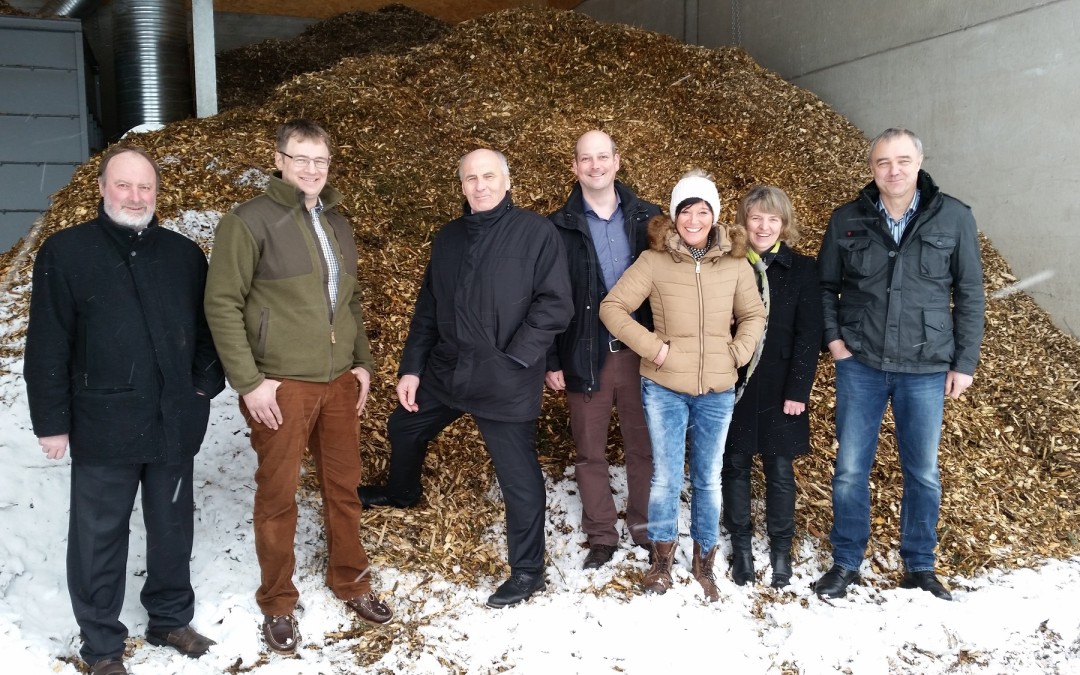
{"x": 901, "y": 280}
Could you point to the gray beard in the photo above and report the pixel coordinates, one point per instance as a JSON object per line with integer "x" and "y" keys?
{"x": 130, "y": 221}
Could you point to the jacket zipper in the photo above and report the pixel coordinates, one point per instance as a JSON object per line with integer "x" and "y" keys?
{"x": 701, "y": 329}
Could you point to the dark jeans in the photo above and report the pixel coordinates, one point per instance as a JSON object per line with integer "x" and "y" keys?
{"x": 512, "y": 447}
{"x": 102, "y": 498}
{"x": 779, "y": 499}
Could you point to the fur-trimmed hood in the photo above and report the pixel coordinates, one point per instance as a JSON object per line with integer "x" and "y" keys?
{"x": 663, "y": 236}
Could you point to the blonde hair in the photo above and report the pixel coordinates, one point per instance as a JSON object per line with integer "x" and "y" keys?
{"x": 772, "y": 200}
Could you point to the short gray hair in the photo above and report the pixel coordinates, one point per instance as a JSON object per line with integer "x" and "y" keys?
{"x": 888, "y": 135}
{"x": 502, "y": 162}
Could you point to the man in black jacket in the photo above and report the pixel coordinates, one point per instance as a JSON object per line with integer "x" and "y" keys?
{"x": 120, "y": 366}
{"x": 603, "y": 227}
{"x": 494, "y": 295}
{"x": 901, "y": 282}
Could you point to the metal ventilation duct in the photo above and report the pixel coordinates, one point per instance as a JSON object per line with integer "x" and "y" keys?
{"x": 153, "y": 79}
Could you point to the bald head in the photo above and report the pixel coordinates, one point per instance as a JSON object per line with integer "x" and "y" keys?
{"x": 595, "y": 164}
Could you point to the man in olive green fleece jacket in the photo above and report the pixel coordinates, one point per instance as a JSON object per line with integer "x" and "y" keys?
{"x": 283, "y": 304}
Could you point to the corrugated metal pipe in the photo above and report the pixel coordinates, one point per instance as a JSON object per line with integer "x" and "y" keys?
{"x": 153, "y": 78}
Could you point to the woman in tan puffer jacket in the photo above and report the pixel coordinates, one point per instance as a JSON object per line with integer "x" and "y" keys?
{"x": 697, "y": 282}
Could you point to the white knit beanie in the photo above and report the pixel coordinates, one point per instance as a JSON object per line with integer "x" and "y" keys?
{"x": 695, "y": 187}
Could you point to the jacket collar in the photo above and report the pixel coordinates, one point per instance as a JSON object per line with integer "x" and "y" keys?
{"x": 928, "y": 192}
{"x": 291, "y": 196}
{"x": 575, "y": 206}
{"x": 784, "y": 257}
{"x": 486, "y": 218}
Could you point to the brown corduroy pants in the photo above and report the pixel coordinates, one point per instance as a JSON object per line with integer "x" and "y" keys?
{"x": 322, "y": 418}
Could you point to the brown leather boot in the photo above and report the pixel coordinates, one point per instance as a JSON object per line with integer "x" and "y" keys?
{"x": 658, "y": 579}
{"x": 702, "y": 569}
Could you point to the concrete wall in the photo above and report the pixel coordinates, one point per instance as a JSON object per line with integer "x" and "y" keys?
{"x": 992, "y": 87}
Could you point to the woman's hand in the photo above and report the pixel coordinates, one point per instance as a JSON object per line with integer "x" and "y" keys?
{"x": 661, "y": 356}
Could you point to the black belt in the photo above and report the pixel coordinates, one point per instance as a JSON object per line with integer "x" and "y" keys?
{"x": 615, "y": 346}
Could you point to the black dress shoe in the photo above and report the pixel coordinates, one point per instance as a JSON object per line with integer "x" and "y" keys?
{"x": 376, "y": 495}
{"x": 926, "y": 581}
{"x": 520, "y": 586}
{"x": 834, "y": 583}
{"x": 599, "y": 555}
{"x": 185, "y": 640}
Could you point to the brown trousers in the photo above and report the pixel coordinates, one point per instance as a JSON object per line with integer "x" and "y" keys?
{"x": 590, "y": 416}
{"x": 322, "y": 418}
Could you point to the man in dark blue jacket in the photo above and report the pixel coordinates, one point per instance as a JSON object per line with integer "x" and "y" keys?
{"x": 495, "y": 294}
{"x": 901, "y": 279}
{"x": 120, "y": 366}
{"x": 604, "y": 228}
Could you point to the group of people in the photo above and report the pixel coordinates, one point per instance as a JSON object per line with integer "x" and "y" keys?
{"x": 687, "y": 327}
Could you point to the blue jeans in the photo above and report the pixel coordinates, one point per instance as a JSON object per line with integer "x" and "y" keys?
{"x": 918, "y": 401}
{"x": 670, "y": 415}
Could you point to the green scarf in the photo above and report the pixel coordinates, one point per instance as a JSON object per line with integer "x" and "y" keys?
{"x": 754, "y": 259}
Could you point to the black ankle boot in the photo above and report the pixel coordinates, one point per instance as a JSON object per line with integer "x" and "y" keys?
{"x": 781, "y": 567}
{"x": 742, "y": 563}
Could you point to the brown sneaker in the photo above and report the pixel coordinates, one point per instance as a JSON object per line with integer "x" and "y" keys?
{"x": 185, "y": 640}
{"x": 113, "y": 666}
{"x": 281, "y": 633}
{"x": 370, "y": 608}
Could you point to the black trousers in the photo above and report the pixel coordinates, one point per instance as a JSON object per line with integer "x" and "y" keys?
{"x": 512, "y": 447}
{"x": 779, "y": 498}
{"x": 102, "y": 498}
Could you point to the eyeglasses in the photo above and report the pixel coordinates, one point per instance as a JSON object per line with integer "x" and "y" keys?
{"x": 321, "y": 163}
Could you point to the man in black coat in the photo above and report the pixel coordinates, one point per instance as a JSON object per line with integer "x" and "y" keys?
{"x": 120, "y": 366}
{"x": 495, "y": 294}
{"x": 603, "y": 227}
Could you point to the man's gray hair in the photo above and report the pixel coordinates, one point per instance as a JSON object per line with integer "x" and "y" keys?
{"x": 502, "y": 162}
{"x": 888, "y": 135}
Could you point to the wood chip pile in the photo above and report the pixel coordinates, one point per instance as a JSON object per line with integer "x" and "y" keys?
{"x": 528, "y": 82}
{"x": 248, "y": 75}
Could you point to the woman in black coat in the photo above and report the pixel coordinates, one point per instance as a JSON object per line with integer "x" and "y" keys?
{"x": 770, "y": 418}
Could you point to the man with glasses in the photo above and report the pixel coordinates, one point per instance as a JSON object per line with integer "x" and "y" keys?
{"x": 283, "y": 303}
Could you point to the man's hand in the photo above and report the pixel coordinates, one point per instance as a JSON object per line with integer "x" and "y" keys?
{"x": 794, "y": 407}
{"x": 262, "y": 404}
{"x": 54, "y": 447}
{"x": 364, "y": 378}
{"x": 839, "y": 350}
{"x": 406, "y": 392}
{"x": 554, "y": 380}
{"x": 956, "y": 383}
{"x": 661, "y": 356}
